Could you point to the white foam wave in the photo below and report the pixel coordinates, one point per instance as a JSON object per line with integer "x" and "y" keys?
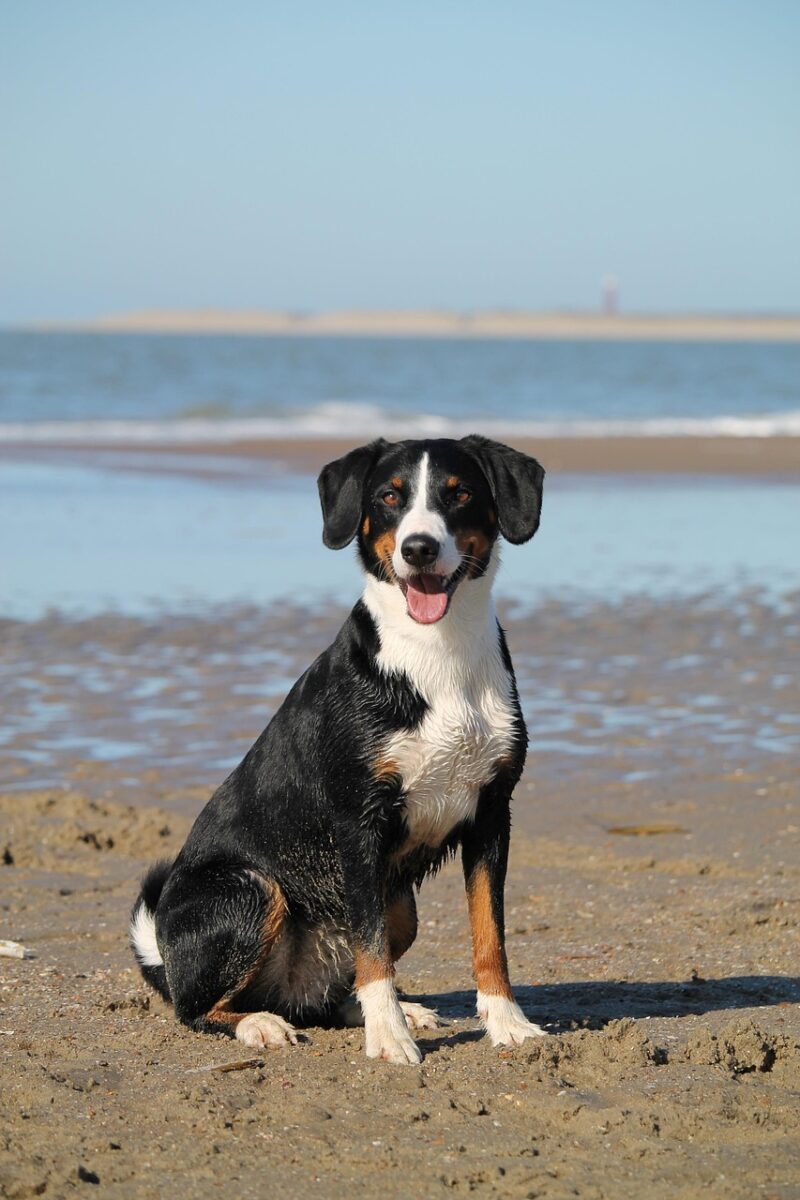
{"x": 364, "y": 421}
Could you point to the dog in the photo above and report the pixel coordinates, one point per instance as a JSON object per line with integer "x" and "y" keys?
{"x": 294, "y": 894}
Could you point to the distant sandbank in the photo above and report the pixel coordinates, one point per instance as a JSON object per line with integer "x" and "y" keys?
{"x": 772, "y": 456}
{"x": 445, "y": 324}
{"x": 616, "y": 455}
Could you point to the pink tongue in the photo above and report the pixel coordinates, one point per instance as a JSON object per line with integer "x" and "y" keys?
{"x": 426, "y": 599}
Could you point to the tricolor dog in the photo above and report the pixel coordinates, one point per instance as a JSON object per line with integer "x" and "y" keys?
{"x": 294, "y": 895}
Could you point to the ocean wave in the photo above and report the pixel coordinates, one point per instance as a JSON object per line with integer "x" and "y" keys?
{"x": 365, "y": 421}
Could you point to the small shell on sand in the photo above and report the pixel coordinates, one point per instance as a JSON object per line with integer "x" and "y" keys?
{"x": 13, "y": 950}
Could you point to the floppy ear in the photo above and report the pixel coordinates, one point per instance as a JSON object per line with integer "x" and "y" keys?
{"x": 516, "y": 482}
{"x": 341, "y": 487}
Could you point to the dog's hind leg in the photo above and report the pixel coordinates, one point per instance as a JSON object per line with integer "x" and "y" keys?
{"x": 217, "y": 925}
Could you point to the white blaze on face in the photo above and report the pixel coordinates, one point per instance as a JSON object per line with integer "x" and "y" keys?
{"x": 422, "y": 518}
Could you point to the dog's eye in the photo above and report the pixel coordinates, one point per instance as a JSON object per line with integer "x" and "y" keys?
{"x": 391, "y": 497}
{"x": 462, "y": 495}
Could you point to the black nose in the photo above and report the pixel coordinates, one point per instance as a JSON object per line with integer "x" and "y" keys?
{"x": 420, "y": 550}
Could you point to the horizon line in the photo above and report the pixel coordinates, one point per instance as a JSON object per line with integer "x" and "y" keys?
{"x": 497, "y": 322}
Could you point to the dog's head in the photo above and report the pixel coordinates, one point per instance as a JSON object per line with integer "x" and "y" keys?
{"x": 428, "y": 513}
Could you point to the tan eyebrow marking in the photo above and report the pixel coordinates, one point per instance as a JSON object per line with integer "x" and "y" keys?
{"x": 452, "y": 481}
{"x": 397, "y": 482}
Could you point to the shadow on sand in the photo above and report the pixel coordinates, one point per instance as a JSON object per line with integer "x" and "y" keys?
{"x": 561, "y": 1007}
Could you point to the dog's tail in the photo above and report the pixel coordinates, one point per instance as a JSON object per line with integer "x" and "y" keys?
{"x": 142, "y": 928}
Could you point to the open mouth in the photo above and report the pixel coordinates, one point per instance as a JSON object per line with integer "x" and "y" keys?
{"x": 428, "y": 596}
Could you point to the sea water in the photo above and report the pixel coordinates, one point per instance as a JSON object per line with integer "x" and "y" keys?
{"x": 133, "y": 532}
{"x": 140, "y": 388}
{"x": 85, "y": 539}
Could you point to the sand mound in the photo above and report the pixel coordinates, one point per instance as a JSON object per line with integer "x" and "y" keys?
{"x": 743, "y": 1047}
{"x": 53, "y": 830}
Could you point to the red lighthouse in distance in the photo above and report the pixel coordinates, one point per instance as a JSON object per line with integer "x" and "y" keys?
{"x": 610, "y": 302}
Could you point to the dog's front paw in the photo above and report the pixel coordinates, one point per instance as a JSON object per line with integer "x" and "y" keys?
{"x": 265, "y": 1029}
{"x": 419, "y": 1017}
{"x": 386, "y": 1032}
{"x": 400, "y": 1049}
{"x": 505, "y": 1022}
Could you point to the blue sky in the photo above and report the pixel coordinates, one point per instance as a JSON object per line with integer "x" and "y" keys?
{"x": 312, "y": 156}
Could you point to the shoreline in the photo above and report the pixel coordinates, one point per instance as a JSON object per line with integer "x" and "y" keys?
{"x": 133, "y": 743}
{"x": 772, "y": 457}
{"x": 496, "y": 324}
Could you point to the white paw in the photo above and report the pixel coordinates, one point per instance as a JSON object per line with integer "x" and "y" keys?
{"x": 265, "y": 1029}
{"x": 419, "y": 1017}
{"x": 505, "y": 1022}
{"x": 399, "y": 1049}
{"x": 385, "y": 1029}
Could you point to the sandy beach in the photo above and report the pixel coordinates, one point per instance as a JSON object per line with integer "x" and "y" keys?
{"x": 652, "y": 916}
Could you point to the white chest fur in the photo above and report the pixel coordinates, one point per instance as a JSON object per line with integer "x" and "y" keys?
{"x": 446, "y": 761}
{"x": 457, "y": 668}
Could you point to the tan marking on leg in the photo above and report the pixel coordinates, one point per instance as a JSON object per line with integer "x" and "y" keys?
{"x": 222, "y": 1012}
{"x": 370, "y": 968}
{"x": 488, "y": 953}
{"x": 401, "y": 925}
{"x": 275, "y": 918}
